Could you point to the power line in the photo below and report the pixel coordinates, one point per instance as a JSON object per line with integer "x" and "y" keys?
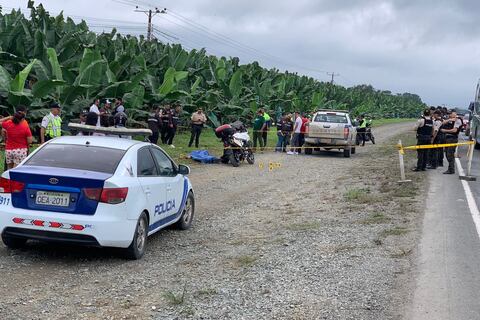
{"x": 225, "y": 40}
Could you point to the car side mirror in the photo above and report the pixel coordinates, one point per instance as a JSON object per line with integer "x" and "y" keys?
{"x": 183, "y": 169}
{"x": 471, "y": 107}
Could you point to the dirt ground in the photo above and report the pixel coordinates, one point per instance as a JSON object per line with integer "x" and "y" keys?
{"x": 317, "y": 237}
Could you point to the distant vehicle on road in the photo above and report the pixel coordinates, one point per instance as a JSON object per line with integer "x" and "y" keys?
{"x": 94, "y": 191}
{"x": 331, "y": 129}
{"x": 474, "y": 118}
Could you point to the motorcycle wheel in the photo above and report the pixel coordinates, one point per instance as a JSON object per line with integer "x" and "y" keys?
{"x": 357, "y": 140}
{"x": 250, "y": 157}
{"x": 372, "y": 139}
{"x": 234, "y": 160}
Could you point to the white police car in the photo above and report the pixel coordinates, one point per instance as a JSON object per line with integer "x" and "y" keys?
{"x": 96, "y": 191}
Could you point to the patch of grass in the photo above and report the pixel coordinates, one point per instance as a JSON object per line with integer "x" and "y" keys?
{"x": 304, "y": 226}
{"x": 382, "y": 122}
{"x": 405, "y": 191}
{"x": 290, "y": 211}
{"x": 206, "y": 292}
{"x": 343, "y": 248}
{"x": 402, "y": 253}
{"x": 237, "y": 242}
{"x": 187, "y": 312}
{"x": 375, "y": 218}
{"x": 355, "y": 194}
{"x": 362, "y": 195}
{"x": 175, "y": 299}
{"x": 397, "y": 231}
{"x": 245, "y": 261}
{"x": 127, "y": 304}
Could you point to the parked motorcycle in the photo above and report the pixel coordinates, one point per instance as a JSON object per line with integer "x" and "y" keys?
{"x": 236, "y": 143}
{"x": 368, "y": 134}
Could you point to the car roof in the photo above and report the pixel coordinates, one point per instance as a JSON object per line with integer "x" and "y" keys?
{"x": 98, "y": 141}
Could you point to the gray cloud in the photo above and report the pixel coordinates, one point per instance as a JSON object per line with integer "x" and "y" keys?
{"x": 426, "y": 47}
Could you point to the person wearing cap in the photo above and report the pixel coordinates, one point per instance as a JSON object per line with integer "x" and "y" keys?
{"x": 51, "y": 126}
{"x": 198, "y": 120}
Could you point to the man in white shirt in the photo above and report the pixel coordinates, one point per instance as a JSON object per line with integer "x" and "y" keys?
{"x": 95, "y": 108}
{"x": 296, "y": 134}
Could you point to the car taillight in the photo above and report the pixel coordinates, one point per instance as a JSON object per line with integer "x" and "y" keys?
{"x": 106, "y": 195}
{"x": 10, "y": 186}
{"x": 114, "y": 195}
{"x": 346, "y": 132}
{"x": 93, "y": 193}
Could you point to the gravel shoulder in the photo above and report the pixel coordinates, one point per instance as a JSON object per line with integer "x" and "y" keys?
{"x": 318, "y": 237}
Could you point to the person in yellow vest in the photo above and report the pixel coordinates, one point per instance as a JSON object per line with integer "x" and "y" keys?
{"x": 51, "y": 126}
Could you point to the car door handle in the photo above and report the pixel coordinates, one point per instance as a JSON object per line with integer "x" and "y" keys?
{"x": 148, "y": 191}
{"x": 169, "y": 188}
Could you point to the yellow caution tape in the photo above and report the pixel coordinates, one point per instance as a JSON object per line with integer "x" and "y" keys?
{"x": 433, "y": 146}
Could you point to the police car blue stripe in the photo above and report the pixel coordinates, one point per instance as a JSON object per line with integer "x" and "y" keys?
{"x": 175, "y": 216}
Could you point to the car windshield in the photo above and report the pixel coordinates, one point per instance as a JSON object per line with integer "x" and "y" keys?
{"x": 331, "y": 118}
{"x": 82, "y": 157}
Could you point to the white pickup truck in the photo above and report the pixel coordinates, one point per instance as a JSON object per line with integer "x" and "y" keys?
{"x": 331, "y": 129}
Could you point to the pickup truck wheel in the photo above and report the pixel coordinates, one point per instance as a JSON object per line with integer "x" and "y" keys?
{"x": 308, "y": 150}
{"x": 347, "y": 152}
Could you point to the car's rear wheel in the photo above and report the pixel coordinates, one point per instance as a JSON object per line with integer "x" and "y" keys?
{"x": 13, "y": 242}
{"x": 137, "y": 248}
{"x": 347, "y": 152}
{"x": 186, "y": 220}
{"x": 354, "y": 150}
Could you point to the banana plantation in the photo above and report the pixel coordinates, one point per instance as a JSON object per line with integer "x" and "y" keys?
{"x": 45, "y": 58}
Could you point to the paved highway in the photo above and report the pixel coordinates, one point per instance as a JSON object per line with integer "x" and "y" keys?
{"x": 448, "y": 267}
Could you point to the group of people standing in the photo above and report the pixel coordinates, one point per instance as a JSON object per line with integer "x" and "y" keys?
{"x": 107, "y": 115}
{"x": 165, "y": 121}
{"x": 437, "y": 126}
{"x": 291, "y": 130}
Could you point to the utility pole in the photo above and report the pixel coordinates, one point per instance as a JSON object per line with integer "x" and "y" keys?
{"x": 150, "y": 14}
{"x": 333, "y": 74}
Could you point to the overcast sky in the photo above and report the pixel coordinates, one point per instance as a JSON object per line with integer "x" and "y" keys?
{"x": 428, "y": 47}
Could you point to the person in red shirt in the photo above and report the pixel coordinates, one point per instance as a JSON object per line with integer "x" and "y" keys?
{"x": 303, "y": 131}
{"x": 18, "y": 138}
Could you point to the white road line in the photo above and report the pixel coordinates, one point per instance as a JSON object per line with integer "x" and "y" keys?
{"x": 472, "y": 205}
